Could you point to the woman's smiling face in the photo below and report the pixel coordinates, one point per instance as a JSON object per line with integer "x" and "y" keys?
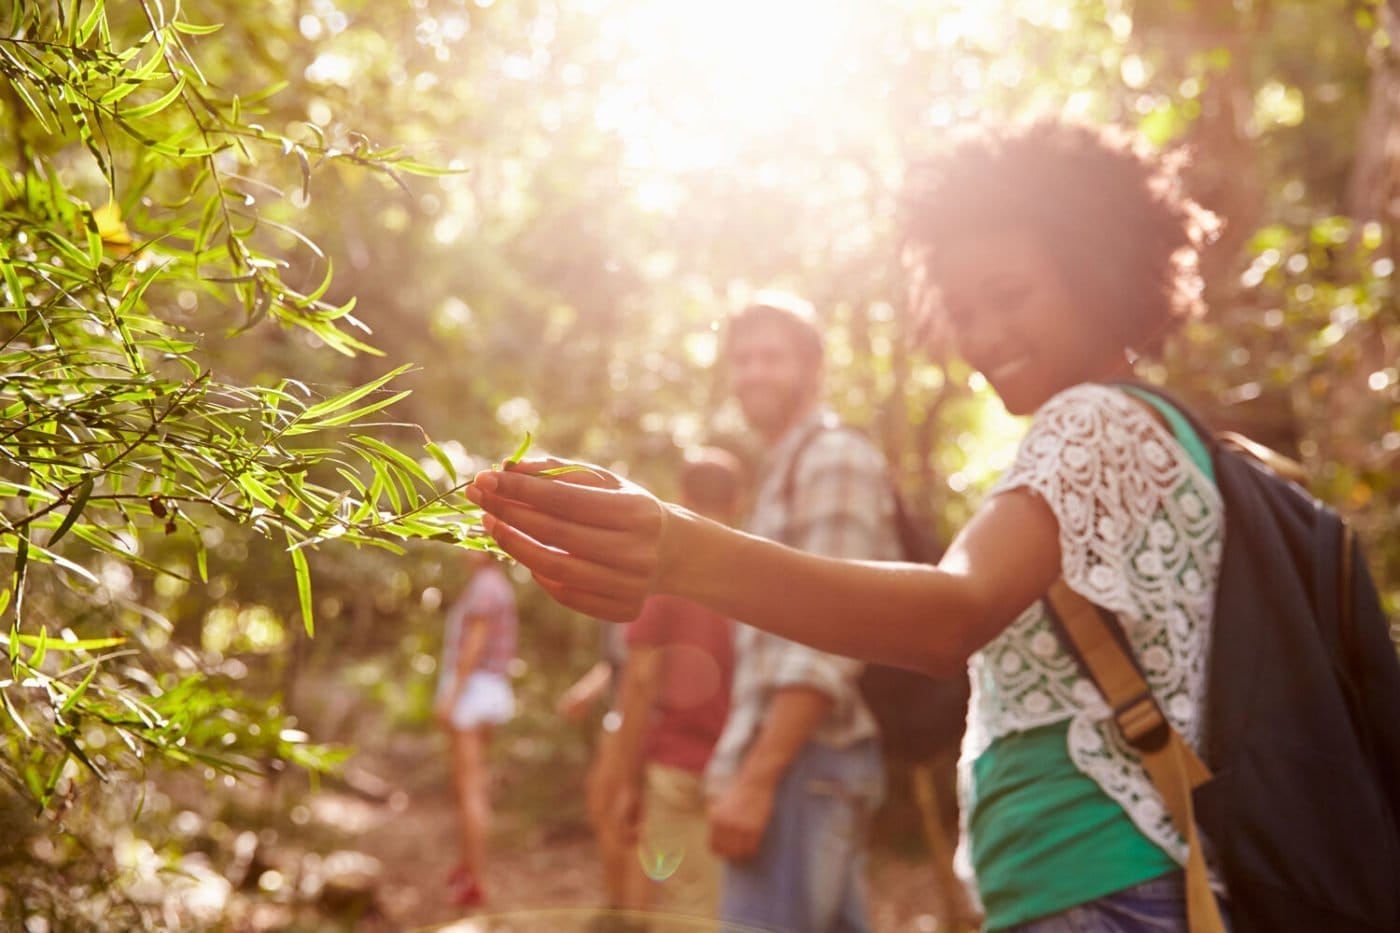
{"x": 1018, "y": 322}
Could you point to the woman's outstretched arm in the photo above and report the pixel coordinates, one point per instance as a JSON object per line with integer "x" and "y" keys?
{"x": 601, "y": 544}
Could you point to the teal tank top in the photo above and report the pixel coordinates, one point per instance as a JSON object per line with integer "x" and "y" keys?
{"x": 1044, "y": 836}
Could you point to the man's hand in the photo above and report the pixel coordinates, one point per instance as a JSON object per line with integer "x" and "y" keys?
{"x": 625, "y": 815}
{"x": 612, "y": 797}
{"x": 739, "y": 818}
{"x": 573, "y": 703}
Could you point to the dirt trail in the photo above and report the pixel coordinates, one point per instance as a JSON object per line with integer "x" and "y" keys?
{"x": 543, "y": 874}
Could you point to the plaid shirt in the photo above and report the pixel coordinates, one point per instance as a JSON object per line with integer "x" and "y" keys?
{"x": 840, "y": 506}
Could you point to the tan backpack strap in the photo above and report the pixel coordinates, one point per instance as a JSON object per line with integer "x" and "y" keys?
{"x": 1174, "y": 768}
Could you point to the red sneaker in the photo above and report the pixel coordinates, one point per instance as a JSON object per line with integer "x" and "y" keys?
{"x": 467, "y": 893}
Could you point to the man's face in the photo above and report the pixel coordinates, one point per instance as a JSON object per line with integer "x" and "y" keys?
{"x": 768, "y": 374}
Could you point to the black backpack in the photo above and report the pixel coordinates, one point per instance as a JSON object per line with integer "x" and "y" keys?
{"x": 919, "y": 716}
{"x": 1303, "y": 711}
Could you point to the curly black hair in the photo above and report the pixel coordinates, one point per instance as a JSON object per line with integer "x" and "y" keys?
{"x": 1111, "y": 212}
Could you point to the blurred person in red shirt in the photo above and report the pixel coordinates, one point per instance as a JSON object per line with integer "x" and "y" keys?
{"x": 673, "y": 702}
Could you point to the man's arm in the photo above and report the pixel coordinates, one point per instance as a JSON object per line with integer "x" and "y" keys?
{"x": 740, "y": 815}
{"x": 619, "y": 778}
{"x": 840, "y": 505}
{"x": 584, "y": 692}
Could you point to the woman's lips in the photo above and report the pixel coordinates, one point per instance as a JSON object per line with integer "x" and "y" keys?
{"x": 1007, "y": 370}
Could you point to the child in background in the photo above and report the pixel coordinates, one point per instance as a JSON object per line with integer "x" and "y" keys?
{"x": 673, "y": 702}
{"x": 474, "y": 694}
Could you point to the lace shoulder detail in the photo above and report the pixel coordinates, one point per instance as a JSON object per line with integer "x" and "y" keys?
{"x": 1140, "y": 530}
{"x": 1113, "y": 476}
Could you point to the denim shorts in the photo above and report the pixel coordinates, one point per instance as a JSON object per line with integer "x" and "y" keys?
{"x": 1156, "y": 906}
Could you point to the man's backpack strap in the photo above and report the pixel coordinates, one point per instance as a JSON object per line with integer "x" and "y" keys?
{"x": 914, "y": 544}
{"x": 1174, "y": 768}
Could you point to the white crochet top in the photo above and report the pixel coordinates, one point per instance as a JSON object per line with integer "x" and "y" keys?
{"x": 1141, "y": 530}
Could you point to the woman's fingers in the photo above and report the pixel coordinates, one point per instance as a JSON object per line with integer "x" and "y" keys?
{"x": 566, "y": 497}
{"x": 611, "y": 607}
{"x": 591, "y": 539}
{"x": 567, "y": 471}
{"x": 632, "y": 550}
{"x": 604, "y": 591}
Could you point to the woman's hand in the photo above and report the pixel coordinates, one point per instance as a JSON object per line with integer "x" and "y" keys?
{"x": 592, "y": 540}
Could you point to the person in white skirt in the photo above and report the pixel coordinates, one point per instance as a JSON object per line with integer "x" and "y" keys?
{"x": 474, "y": 694}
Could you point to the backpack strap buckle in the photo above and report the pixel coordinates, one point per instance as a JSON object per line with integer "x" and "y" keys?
{"x": 1141, "y": 721}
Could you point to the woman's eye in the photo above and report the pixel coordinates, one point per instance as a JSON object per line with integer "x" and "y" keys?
{"x": 957, "y": 312}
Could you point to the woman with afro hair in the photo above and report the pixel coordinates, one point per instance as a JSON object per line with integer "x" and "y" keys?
{"x": 1054, "y": 256}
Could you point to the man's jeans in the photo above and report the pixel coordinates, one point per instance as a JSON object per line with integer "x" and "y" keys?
{"x": 808, "y": 874}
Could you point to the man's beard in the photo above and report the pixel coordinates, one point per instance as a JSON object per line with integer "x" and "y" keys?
{"x": 771, "y": 411}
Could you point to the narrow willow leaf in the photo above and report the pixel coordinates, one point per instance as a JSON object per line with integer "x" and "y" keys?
{"x": 311, "y": 245}
{"x": 78, "y": 692}
{"x": 391, "y": 488}
{"x": 41, "y": 648}
{"x": 255, "y": 490}
{"x": 20, "y": 489}
{"x": 521, "y": 450}
{"x": 211, "y": 220}
{"x": 303, "y": 573}
{"x": 133, "y": 294}
{"x": 21, "y": 562}
{"x": 353, "y": 480}
{"x": 395, "y": 456}
{"x": 568, "y": 468}
{"x": 74, "y": 511}
{"x": 120, "y": 92}
{"x": 35, "y": 784}
{"x": 40, "y": 113}
{"x": 431, "y": 171}
{"x": 201, "y": 561}
{"x": 14, "y": 715}
{"x": 194, "y": 29}
{"x": 81, "y": 644}
{"x": 94, "y": 240}
{"x": 55, "y": 774}
{"x": 67, "y": 564}
{"x": 331, "y": 405}
{"x": 443, "y": 461}
{"x": 304, "y": 162}
{"x": 13, "y": 285}
{"x": 371, "y": 502}
{"x": 143, "y": 111}
{"x": 69, "y": 251}
{"x": 83, "y": 31}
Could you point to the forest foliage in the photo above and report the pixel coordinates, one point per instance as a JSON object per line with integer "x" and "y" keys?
{"x": 278, "y": 275}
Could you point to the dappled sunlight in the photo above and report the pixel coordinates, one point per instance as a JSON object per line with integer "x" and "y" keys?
{"x": 696, "y": 86}
{"x": 278, "y": 278}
